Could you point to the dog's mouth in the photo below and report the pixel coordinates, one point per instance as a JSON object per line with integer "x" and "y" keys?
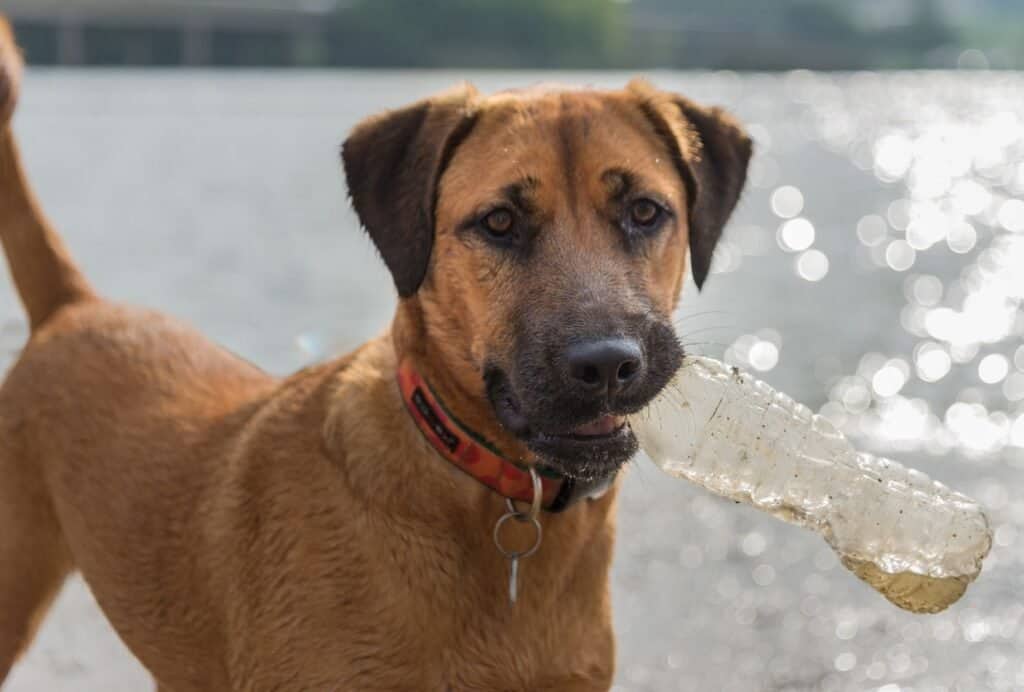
{"x": 605, "y": 426}
{"x": 593, "y": 450}
{"x": 596, "y": 447}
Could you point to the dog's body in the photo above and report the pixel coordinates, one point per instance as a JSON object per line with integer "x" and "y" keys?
{"x": 247, "y": 533}
{"x": 274, "y": 542}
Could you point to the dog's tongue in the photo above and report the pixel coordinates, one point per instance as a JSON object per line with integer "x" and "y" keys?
{"x": 605, "y": 425}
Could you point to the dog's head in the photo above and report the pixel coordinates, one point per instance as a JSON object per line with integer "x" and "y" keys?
{"x": 538, "y": 241}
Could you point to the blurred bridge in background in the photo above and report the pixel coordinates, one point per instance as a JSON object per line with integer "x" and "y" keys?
{"x": 525, "y": 34}
{"x": 172, "y": 32}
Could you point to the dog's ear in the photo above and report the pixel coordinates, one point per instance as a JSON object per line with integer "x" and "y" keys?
{"x": 711, "y": 152}
{"x": 393, "y": 163}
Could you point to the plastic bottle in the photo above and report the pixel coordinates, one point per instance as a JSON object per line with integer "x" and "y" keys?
{"x": 911, "y": 538}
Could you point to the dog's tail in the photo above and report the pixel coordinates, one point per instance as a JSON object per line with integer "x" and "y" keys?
{"x": 40, "y": 264}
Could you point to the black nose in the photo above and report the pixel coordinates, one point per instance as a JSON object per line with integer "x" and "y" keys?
{"x": 604, "y": 364}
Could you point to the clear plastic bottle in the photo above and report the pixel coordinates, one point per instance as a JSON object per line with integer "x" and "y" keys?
{"x": 911, "y": 538}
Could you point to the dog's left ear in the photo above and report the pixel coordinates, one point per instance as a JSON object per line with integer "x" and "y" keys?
{"x": 711, "y": 152}
{"x": 393, "y": 164}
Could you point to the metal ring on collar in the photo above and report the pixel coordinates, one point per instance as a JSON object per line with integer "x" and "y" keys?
{"x": 518, "y": 554}
{"x": 538, "y": 499}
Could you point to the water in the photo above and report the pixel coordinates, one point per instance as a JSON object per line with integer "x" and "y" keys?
{"x": 218, "y": 198}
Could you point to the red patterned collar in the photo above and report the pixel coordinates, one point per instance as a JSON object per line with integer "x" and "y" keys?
{"x": 480, "y": 459}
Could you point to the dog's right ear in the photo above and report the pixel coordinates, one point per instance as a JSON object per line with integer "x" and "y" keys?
{"x": 711, "y": 152}
{"x": 393, "y": 164}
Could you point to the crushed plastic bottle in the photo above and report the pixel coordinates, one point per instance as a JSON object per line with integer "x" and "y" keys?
{"x": 911, "y": 538}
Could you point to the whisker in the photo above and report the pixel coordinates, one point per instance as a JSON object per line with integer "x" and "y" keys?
{"x": 702, "y": 313}
{"x": 691, "y": 332}
{"x": 685, "y": 319}
{"x": 706, "y": 343}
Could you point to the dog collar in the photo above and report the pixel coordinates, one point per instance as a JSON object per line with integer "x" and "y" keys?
{"x": 474, "y": 455}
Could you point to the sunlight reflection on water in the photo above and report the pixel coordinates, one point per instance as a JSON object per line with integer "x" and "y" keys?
{"x": 893, "y": 307}
{"x": 953, "y": 166}
{"x": 914, "y": 336}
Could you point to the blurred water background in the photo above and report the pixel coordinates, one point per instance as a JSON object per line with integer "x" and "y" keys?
{"x": 524, "y": 34}
{"x": 874, "y": 270}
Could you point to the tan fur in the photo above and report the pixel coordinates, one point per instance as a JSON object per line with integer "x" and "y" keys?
{"x": 246, "y": 533}
{"x": 10, "y": 72}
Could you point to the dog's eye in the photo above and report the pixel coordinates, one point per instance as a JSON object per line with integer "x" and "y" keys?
{"x": 499, "y": 222}
{"x": 645, "y": 213}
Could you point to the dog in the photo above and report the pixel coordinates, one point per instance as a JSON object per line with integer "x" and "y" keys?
{"x": 367, "y": 523}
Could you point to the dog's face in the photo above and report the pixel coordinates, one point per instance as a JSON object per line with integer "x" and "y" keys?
{"x": 541, "y": 238}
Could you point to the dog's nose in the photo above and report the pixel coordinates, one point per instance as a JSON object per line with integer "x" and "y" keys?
{"x": 605, "y": 364}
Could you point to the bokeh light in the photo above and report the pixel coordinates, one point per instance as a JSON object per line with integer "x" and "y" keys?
{"x": 758, "y": 352}
{"x": 764, "y": 356}
{"x": 925, "y": 289}
{"x": 872, "y": 230}
{"x": 900, "y": 256}
{"x": 961, "y": 237}
{"x": 796, "y": 235}
{"x": 993, "y": 368}
{"x": 812, "y": 265}
{"x": 787, "y": 201}
{"x": 932, "y": 361}
{"x": 890, "y": 378}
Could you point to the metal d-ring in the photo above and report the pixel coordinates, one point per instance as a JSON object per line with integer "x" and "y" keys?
{"x": 538, "y": 533}
{"x": 532, "y": 517}
{"x": 535, "y": 505}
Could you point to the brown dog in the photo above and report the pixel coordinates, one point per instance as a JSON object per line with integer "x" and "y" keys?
{"x": 246, "y": 533}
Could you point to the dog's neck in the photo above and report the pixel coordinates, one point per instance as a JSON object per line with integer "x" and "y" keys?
{"x": 515, "y": 477}
{"x": 469, "y": 405}
{"x": 438, "y": 523}
{"x": 474, "y": 455}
